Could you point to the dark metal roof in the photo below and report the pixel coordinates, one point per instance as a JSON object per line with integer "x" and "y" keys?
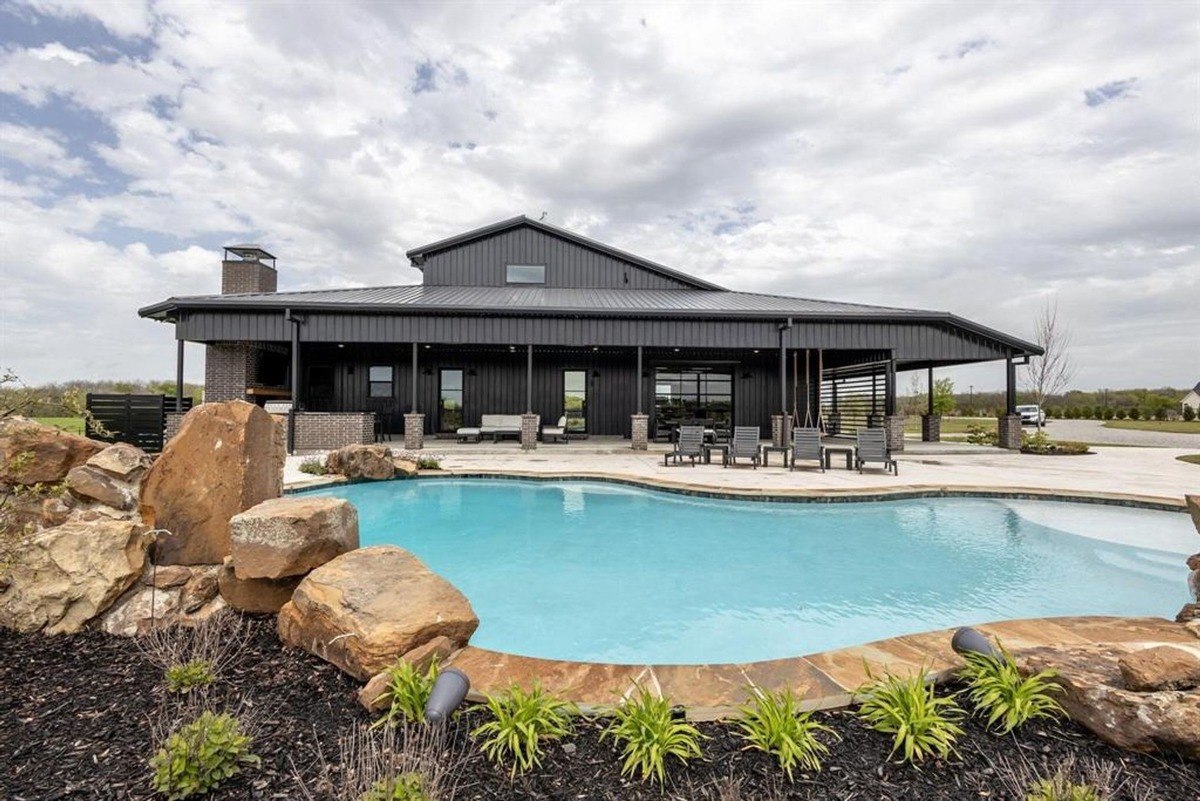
{"x": 417, "y": 255}
{"x": 249, "y": 252}
{"x": 582, "y": 302}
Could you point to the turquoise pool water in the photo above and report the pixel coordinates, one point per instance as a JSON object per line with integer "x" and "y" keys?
{"x": 606, "y": 573}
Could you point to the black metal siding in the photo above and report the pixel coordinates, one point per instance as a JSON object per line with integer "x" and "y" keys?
{"x": 910, "y": 342}
{"x": 482, "y": 262}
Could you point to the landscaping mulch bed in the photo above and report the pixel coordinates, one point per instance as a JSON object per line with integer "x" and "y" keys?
{"x": 77, "y": 715}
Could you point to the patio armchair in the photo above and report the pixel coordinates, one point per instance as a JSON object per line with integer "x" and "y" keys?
{"x": 690, "y": 445}
{"x": 806, "y": 444}
{"x": 557, "y": 432}
{"x": 873, "y": 447}
{"x": 664, "y": 430}
{"x": 745, "y": 445}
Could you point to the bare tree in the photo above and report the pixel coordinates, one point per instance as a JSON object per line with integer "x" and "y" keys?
{"x": 1049, "y": 373}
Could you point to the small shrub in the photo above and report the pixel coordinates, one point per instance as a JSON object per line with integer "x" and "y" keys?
{"x": 1060, "y": 788}
{"x": 200, "y": 756}
{"x": 314, "y": 466}
{"x": 1121, "y": 414}
{"x": 407, "y": 693}
{"x": 405, "y": 787}
{"x": 1189, "y": 414}
{"x": 1160, "y": 413}
{"x": 980, "y": 435}
{"x": 1135, "y": 413}
{"x": 773, "y": 723}
{"x": 649, "y": 733}
{"x": 428, "y": 463}
{"x": 996, "y": 688}
{"x": 1108, "y": 413}
{"x": 521, "y": 722}
{"x": 187, "y": 676}
{"x": 922, "y": 723}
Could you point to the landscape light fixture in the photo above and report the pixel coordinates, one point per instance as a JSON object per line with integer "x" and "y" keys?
{"x": 447, "y": 695}
{"x": 967, "y": 640}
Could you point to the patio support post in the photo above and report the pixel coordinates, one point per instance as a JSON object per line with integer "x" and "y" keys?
{"x": 780, "y": 429}
{"x": 931, "y": 424}
{"x": 414, "y": 421}
{"x": 893, "y": 421}
{"x": 1009, "y": 424}
{"x": 639, "y": 425}
{"x": 295, "y": 380}
{"x": 179, "y": 377}
{"x": 529, "y": 420}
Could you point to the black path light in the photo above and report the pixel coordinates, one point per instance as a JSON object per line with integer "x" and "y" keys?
{"x": 967, "y": 640}
{"x": 447, "y": 695}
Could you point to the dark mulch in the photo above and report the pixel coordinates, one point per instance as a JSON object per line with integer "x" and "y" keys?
{"x": 76, "y": 719}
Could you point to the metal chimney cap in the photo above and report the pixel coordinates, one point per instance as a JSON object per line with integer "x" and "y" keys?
{"x": 248, "y": 252}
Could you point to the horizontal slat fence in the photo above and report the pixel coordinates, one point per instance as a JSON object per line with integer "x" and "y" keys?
{"x": 137, "y": 419}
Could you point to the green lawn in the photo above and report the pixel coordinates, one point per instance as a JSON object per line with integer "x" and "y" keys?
{"x": 1165, "y": 426}
{"x": 1191, "y": 458}
{"x": 72, "y": 424}
{"x": 951, "y": 425}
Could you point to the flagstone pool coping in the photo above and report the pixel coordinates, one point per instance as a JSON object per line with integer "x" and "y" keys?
{"x": 828, "y": 679}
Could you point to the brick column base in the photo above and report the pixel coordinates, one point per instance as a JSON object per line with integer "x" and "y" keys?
{"x": 931, "y": 428}
{"x": 780, "y": 433}
{"x": 414, "y": 431}
{"x": 893, "y": 424}
{"x": 1009, "y": 427}
{"x": 640, "y": 431}
{"x": 529, "y": 431}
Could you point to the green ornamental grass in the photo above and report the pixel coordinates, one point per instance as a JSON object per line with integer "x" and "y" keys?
{"x": 200, "y": 756}
{"x": 921, "y": 722}
{"x": 773, "y": 723}
{"x": 184, "y": 677}
{"x": 405, "y": 787}
{"x": 407, "y": 692}
{"x": 649, "y": 733}
{"x": 521, "y": 722}
{"x": 996, "y": 688}
{"x": 1060, "y": 788}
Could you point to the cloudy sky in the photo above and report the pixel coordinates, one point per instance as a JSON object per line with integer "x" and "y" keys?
{"x": 977, "y": 159}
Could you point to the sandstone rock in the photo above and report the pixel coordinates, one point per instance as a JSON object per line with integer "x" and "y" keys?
{"x": 291, "y": 536}
{"x": 93, "y": 484}
{"x": 257, "y": 596}
{"x": 1095, "y": 697}
{"x": 133, "y": 614}
{"x": 67, "y": 575}
{"x": 420, "y": 658}
{"x": 31, "y": 453}
{"x": 369, "y": 606}
{"x": 362, "y": 461}
{"x": 1193, "y": 562}
{"x": 1160, "y": 668}
{"x": 405, "y": 466}
{"x": 123, "y": 461}
{"x": 1189, "y": 613}
{"x": 226, "y": 458}
{"x": 164, "y": 576}
{"x": 1193, "y": 505}
{"x": 55, "y": 511}
{"x": 201, "y": 588}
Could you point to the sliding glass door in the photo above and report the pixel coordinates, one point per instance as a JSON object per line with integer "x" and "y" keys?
{"x": 450, "y": 400}
{"x": 575, "y": 400}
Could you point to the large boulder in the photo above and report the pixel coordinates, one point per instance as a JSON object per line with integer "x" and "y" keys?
{"x": 367, "y": 607}
{"x": 257, "y": 596}
{"x": 226, "y": 458}
{"x": 362, "y": 461}
{"x": 63, "y": 577}
{"x": 1163, "y": 667}
{"x": 1193, "y": 505}
{"x": 1095, "y": 696}
{"x": 92, "y": 484}
{"x": 291, "y": 536}
{"x": 122, "y": 461}
{"x": 32, "y": 453}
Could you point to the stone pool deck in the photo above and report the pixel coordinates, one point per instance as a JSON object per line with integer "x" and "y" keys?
{"x": 826, "y": 680}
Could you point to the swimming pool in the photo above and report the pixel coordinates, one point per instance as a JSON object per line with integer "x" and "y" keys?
{"x": 603, "y": 572}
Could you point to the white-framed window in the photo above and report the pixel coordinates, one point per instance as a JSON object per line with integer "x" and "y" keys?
{"x": 525, "y": 273}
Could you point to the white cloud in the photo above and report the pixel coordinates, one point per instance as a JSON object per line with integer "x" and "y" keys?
{"x": 935, "y": 156}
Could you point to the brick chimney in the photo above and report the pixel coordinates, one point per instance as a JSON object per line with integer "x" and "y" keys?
{"x": 245, "y": 269}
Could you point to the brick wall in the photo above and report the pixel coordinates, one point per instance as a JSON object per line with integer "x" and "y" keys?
{"x": 171, "y": 425}
{"x": 229, "y": 367}
{"x": 327, "y": 431}
{"x": 247, "y": 276}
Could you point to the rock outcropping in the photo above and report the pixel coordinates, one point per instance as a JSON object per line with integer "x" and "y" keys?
{"x": 226, "y": 458}
{"x": 373, "y": 462}
{"x": 290, "y": 536}
{"x": 32, "y": 453}
{"x": 366, "y": 608}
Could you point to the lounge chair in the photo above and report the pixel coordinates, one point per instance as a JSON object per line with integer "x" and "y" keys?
{"x": 745, "y": 445}
{"x": 690, "y": 445}
{"x": 806, "y": 445}
{"x": 873, "y": 447}
{"x": 556, "y": 432}
{"x": 497, "y": 426}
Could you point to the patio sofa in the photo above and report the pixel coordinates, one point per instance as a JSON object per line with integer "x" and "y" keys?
{"x": 494, "y": 426}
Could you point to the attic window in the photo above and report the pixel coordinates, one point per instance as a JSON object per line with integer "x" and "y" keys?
{"x": 525, "y": 273}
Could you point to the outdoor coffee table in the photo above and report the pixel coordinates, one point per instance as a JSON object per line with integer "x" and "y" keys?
{"x": 845, "y": 448}
{"x": 723, "y": 447}
{"x": 767, "y": 449}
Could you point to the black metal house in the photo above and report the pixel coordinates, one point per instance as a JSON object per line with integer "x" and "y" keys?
{"x": 522, "y": 317}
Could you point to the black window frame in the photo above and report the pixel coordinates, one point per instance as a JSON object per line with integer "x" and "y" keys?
{"x": 509, "y": 282}
{"x": 390, "y": 382}
{"x": 442, "y": 427}
{"x": 566, "y": 412}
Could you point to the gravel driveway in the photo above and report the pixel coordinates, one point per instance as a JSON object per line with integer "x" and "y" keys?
{"x": 1094, "y": 431}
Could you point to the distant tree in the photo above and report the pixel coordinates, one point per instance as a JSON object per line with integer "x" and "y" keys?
{"x": 1189, "y": 413}
{"x": 943, "y": 396}
{"x": 1049, "y": 373}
